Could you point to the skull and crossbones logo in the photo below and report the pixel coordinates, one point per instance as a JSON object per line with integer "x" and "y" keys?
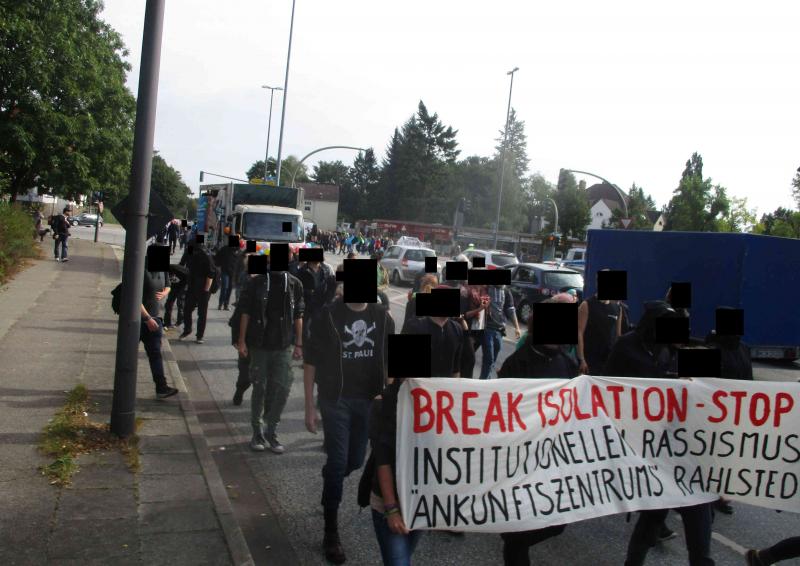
{"x": 358, "y": 331}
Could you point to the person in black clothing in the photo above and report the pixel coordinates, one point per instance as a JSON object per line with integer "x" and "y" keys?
{"x": 345, "y": 354}
{"x": 447, "y": 340}
{"x": 179, "y": 279}
{"x": 154, "y": 290}
{"x": 319, "y": 289}
{"x": 201, "y": 275}
{"x": 61, "y": 234}
{"x": 637, "y": 354}
{"x": 533, "y": 361}
{"x": 226, "y": 260}
{"x": 173, "y": 231}
{"x": 783, "y": 550}
{"x": 599, "y": 325}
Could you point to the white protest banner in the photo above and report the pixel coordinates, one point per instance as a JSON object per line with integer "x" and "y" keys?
{"x": 518, "y": 454}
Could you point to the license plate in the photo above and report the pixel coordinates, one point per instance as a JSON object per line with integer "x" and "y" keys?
{"x": 761, "y": 353}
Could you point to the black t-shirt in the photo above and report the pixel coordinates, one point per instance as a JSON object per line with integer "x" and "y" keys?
{"x": 273, "y": 333}
{"x": 601, "y": 329}
{"x": 446, "y": 343}
{"x": 359, "y": 355}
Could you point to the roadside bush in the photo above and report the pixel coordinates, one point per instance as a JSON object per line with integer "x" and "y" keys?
{"x": 16, "y": 238}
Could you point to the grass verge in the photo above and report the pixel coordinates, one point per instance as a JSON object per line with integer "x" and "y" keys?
{"x": 71, "y": 432}
{"x": 16, "y": 239}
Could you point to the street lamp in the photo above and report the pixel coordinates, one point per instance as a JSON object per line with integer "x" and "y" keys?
{"x": 503, "y": 156}
{"x": 269, "y": 125}
{"x": 619, "y": 191}
{"x": 285, "y": 94}
{"x": 300, "y": 163}
{"x": 555, "y": 213}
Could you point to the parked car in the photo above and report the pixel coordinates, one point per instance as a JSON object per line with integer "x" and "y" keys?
{"x": 86, "y": 219}
{"x": 535, "y": 282}
{"x": 495, "y": 259}
{"x": 405, "y": 262}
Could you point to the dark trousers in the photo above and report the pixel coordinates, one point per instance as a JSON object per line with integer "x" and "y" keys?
{"x": 516, "y": 545}
{"x": 177, "y": 297}
{"x": 152, "y": 346}
{"x": 195, "y": 300}
{"x": 344, "y": 423}
{"x": 696, "y": 526}
{"x": 225, "y": 288}
{"x": 61, "y": 241}
{"x": 172, "y": 243}
{"x": 784, "y": 550}
{"x": 243, "y": 381}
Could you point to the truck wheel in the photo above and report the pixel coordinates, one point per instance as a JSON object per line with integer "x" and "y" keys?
{"x": 396, "y": 278}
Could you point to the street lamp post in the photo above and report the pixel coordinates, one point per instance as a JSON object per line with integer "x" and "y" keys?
{"x": 555, "y": 213}
{"x": 300, "y": 164}
{"x": 285, "y": 94}
{"x": 503, "y": 156}
{"x": 619, "y": 191}
{"x": 269, "y": 126}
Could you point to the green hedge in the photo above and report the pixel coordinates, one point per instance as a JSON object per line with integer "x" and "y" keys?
{"x": 16, "y": 238}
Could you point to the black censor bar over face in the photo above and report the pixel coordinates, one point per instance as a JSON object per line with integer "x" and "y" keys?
{"x": 279, "y": 257}
{"x": 612, "y": 285}
{"x": 359, "y": 281}
{"x": 311, "y": 254}
{"x": 409, "y": 355}
{"x": 489, "y": 277}
{"x": 439, "y": 302}
{"x": 555, "y": 323}
{"x": 157, "y": 258}
{"x": 257, "y": 264}
{"x": 233, "y": 241}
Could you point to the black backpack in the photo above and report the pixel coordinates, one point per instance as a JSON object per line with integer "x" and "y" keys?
{"x": 116, "y": 298}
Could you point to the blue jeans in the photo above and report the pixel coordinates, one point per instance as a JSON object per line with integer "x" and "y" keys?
{"x": 61, "y": 240}
{"x": 152, "y": 346}
{"x": 396, "y": 550}
{"x": 492, "y": 342}
{"x": 225, "y": 289}
{"x": 345, "y": 424}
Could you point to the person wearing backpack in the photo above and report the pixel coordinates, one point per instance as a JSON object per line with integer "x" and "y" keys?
{"x": 319, "y": 289}
{"x": 154, "y": 291}
{"x": 272, "y": 314}
{"x": 346, "y": 356}
{"x": 61, "y": 234}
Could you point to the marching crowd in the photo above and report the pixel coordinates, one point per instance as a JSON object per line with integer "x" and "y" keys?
{"x": 299, "y": 314}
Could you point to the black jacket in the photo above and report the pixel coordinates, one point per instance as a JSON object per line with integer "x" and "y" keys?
{"x": 323, "y": 348}
{"x": 317, "y": 296}
{"x": 226, "y": 258}
{"x": 538, "y": 362}
{"x": 281, "y": 286}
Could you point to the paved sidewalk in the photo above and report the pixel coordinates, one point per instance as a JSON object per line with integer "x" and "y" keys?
{"x": 57, "y": 330}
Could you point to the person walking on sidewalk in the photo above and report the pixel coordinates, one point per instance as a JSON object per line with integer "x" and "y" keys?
{"x": 501, "y": 306}
{"x": 346, "y": 356}
{"x": 784, "y": 550}
{"x": 319, "y": 289}
{"x": 173, "y": 231}
{"x": 225, "y": 260}
{"x": 201, "y": 276}
{"x": 61, "y": 234}
{"x": 272, "y": 314}
{"x": 154, "y": 291}
{"x": 179, "y": 279}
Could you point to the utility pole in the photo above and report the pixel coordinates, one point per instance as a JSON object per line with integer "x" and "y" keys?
{"x": 503, "y": 156}
{"x": 123, "y": 410}
{"x": 269, "y": 126}
{"x": 285, "y": 95}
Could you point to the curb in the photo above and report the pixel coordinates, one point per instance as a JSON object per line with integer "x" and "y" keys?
{"x": 234, "y": 538}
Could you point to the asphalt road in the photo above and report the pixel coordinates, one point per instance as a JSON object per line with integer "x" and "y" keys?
{"x": 276, "y": 497}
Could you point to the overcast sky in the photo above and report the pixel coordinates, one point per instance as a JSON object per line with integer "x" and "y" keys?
{"x": 627, "y": 90}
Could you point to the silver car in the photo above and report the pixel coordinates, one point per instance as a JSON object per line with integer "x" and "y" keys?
{"x": 404, "y": 263}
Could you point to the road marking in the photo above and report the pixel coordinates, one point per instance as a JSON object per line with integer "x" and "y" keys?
{"x": 729, "y": 543}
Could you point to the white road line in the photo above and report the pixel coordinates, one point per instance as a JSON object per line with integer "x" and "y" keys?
{"x": 728, "y": 542}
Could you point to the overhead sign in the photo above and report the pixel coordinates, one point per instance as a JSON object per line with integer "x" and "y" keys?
{"x": 519, "y": 454}
{"x": 158, "y": 215}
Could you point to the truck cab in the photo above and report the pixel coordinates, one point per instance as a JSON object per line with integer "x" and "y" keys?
{"x": 266, "y": 223}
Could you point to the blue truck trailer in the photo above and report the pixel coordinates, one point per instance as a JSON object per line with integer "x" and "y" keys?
{"x": 760, "y": 274}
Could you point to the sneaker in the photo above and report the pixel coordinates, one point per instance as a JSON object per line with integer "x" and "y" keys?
{"x": 199, "y": 341}
{"x": 57, "y": 259}
{"x": 723, "y": 506}
{"x": 237, "y": 397}
{"x": 66, "y": 259}
{"x": 333, "y": 548}
{"x": 226, "y": 308}
{"x": 752, "y": 558}
{"x": 665, "y": 534}
{"x": 166, "y": 392}
{"x": 275, "y": 445}
{"x": 258, "y": 444}
{"x": 183, "y": 336}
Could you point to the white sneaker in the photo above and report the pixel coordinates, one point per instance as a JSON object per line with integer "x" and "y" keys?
{"x": 258, "y": 444}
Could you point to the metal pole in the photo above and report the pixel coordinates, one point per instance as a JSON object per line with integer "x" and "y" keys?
{"x": 97, "y": 224}
{"x": 555, "y": 212}
{"x": 123, "y": 409}
{"x": 503, "y": 157}
{"x": 269, "y": 127}
{"x": 285, "y": 94}
{"x": 306, "y": 156}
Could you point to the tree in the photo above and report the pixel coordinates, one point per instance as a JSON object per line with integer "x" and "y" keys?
{"x": 330, "y": 172}
{"x": 288, "y": 166}
{"x": 167, "y": 182}
{"x": 696, "y": 204}
{"x": 783, "y": 222}
{"x": 538, "y": 191}
{"x": 66, "y": 117}
{"x": 516, "y": 145}
{"x": 796, "y": 188}
{"x": 639, "y": 204}
{"x": 739, "y": 218}
{"x": 515, "y": 160}
{"x": 574, "y": 214}
{"x": 364, "y": 177}
{"x": 475, "y": 179}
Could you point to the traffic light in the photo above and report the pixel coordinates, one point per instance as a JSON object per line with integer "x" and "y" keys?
{"x": 201, "y": 176}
